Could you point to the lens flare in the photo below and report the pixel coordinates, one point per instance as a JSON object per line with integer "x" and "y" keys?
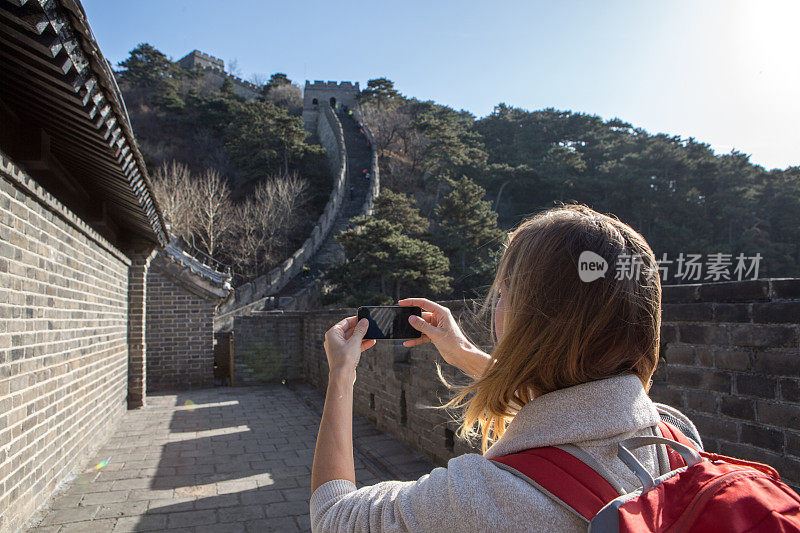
{"x": 189, "y": 405}
{"x": 102, "y": 463}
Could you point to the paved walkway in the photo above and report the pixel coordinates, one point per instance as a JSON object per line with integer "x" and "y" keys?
{"x": 222, "y": 459}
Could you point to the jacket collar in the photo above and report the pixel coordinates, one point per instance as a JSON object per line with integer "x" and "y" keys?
{"x": 593, "y": 413}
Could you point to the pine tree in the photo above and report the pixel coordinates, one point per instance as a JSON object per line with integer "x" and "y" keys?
{"x": 398, "y": 208}
{"x": 148, "y": 67}
{"x": 380, "y": 92}
{"x": 470, "y": 236}
{"x": 386, "y": 258}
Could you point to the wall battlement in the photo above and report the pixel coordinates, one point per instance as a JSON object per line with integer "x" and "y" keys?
{"x": 213, "y": 69}
{"x": 319, "y": 84}
{"x": 235, "y": 79}
{"x": 198, "y": 59}
{"x": 328, "y": 93}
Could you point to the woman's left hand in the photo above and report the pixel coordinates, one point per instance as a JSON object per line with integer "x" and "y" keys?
{"x": 344, "y": 343}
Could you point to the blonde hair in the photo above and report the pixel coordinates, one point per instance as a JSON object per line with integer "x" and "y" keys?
{"x": 559, "y": 331}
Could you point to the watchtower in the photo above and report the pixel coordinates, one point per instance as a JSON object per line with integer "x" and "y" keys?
{"x": 326, "y": 93}
{"x": 197, "y": 59}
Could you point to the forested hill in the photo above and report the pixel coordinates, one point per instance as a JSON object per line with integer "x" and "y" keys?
{"x": 462, "y": 180}
{"x": 237, "y": 176}
{"x": 677, "y": 192}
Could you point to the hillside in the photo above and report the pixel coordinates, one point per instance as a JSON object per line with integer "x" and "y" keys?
{"x": 186, "y": 124}
{"x": 456, "y": 172}
{"x": 677, "y": 192}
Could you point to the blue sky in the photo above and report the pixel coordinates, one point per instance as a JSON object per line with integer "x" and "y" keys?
{"x": 725, "y": 72}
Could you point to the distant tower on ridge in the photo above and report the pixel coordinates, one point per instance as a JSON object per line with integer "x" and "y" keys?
{"x": 329, "y": 93}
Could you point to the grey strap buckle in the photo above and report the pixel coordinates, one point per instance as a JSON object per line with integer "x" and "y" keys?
{"x": 690, "y": 456}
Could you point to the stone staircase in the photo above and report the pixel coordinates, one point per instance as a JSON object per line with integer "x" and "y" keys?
{"x": 356, "y": 186}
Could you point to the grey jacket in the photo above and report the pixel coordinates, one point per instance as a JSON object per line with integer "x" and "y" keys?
{"x": 474, "y": 494}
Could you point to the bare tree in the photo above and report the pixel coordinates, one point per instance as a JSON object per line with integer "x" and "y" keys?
{"x": 214, "y": 210}
{"x": 233, "y": 68}
{"x": 258, "y": 79}
{"x": 172, "y": 185}
{"x": 265, "y": 221}
{"x": 289, "y": 96}
{"x": 244, "y": 243}
{"x": 387, "y": 124}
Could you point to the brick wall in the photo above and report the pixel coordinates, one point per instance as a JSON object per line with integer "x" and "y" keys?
{"x": 63, "y": 344}
{"x": 141, "y": 254}
{"x": 267, "y": 347}
{"x": 730, "y": 361}
{"x": 179, "y": 333}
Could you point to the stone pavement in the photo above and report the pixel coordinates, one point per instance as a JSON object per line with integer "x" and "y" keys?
{"x": 222, "y": 459}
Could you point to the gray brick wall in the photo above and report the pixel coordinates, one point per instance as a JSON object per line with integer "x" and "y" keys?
{"x": 267, "y": 347}
{"x": 730, "y": 361}
{"x": 63, "y": 344}
{"x": 179, "y": 333}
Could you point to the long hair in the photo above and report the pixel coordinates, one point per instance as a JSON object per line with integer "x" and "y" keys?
{"x": 560, "y": 331}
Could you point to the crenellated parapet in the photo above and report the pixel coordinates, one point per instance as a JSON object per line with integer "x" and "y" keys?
{"x": 213, "y": 68}
{"x": 327, "y": 85}
{"x": 198, "y": 59}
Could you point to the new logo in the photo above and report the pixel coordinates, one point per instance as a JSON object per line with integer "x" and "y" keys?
{"x": 591, "y": 266}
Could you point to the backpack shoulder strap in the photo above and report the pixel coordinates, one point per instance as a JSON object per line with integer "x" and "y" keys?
{"x": 563, "y": 477}
{"x": 668, "y": 431}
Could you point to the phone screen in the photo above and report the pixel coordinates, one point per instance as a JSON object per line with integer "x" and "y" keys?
{"x": 389, "y": 321}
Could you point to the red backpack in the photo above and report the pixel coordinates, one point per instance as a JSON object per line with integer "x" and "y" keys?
{"x": 702, "y": 492}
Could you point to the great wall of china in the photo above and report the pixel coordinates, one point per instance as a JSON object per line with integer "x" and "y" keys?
{"x": 351, "y": 148}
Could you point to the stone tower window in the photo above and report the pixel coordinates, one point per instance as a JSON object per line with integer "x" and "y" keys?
{"x": 315, "y": 101}
{"x": 333, "y": 101}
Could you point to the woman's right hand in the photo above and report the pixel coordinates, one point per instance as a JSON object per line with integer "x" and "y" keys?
{"x": 438, "y": 326}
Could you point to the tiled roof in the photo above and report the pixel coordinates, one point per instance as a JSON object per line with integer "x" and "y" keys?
{"x": 195, "y": 275}
{"x": 54, "y": 76}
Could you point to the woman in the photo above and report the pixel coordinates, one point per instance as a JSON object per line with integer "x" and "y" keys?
{"x": 572, "y": 365}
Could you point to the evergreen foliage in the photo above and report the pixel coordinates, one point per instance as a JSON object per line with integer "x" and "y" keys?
{"x": 469, "y": 234}
{"x": 385, "y": 261}
{"x": 460, "y": 182}
{"x": 676, "y": 191}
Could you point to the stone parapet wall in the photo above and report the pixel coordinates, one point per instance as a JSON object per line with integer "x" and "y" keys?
{"x": 63, "y": 343}
{"x": 266, "y": 347}
{"x": 375, "y": 186}
{"x": 730, "y": 361}
{"x": 241, "y": 87}
{"x": 246, "y": 298}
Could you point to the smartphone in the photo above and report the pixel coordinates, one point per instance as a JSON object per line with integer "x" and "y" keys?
{"x": 389, "y": 321}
